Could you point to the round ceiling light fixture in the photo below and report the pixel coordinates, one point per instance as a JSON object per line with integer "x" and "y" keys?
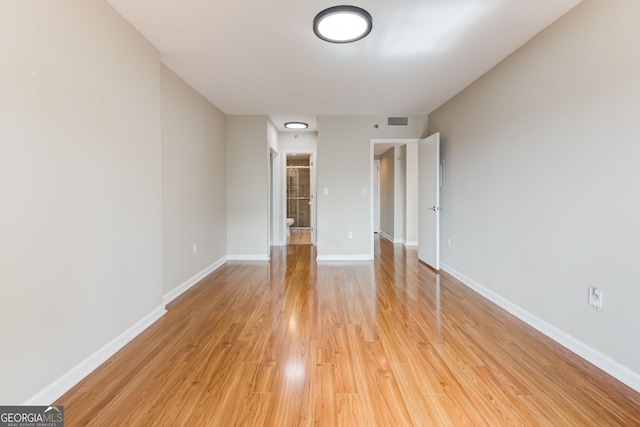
{"x": 296, "y": 125}
{"x": 342, "y": 24}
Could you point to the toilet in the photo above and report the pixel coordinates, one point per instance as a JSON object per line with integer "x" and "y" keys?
{"x": 289, "y": 224}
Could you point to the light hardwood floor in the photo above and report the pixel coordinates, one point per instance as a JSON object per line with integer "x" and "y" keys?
{"x": 299, "y": 238}
{"x": 386, "y": 343}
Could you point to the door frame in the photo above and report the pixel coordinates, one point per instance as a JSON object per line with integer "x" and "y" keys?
{"x": 376, "y": 196}
{"x": 314, "y": 198}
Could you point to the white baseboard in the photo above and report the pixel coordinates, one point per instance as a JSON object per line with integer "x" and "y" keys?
{"x": 356, "y": 257}
{"x": 595, "y": 357}
{"x": 57, "y": 388}
{"x": 389, "y": 238}
{"x": 247, "y": 257}
{"x": 170, "y": 296}
{"x": 410, "y": 243}
{"x": 385, "y": 236}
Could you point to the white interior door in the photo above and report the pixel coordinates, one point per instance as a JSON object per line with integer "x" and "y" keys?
{"x": 429, "y": 201}
{"x": 376, "y": 196}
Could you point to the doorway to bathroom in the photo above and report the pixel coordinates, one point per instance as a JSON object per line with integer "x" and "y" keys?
{"x": 299, "y": 192}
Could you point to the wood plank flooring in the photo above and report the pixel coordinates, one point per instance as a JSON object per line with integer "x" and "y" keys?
{"x": 383, "y": 343}
{"x": 299, "y": 238}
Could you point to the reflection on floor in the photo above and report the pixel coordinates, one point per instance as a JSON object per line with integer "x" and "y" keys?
{"x": 386, "y": 342}
{"x": 299, "y": 237}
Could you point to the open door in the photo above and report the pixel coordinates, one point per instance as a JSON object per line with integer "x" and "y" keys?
{"x": 429, "y": 201}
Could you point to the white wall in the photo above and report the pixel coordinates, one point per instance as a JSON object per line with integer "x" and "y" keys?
{"x": 248, "y": 187}
{"x": 410, "y": 154}
{"x": 345, "y": 169}
{"x": 300, "y": 141}
{"x": 398, "y": 194}
{"x": 387, "y": 196}
{"x": 276, "y": 232}
{"x": 273, "y": 136}
{"x": 194, "y": 182}
{"x": 80, "y": 179}
{"x": 541, "y": 180}
{"x": 275, "y": 192}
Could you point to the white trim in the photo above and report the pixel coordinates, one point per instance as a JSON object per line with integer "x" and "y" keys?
{"x": 376, "y": 195}
{"x": 595, "y": 357}
{"x": 385, "y": 236}
{"x": 411, "y": 243}
{"x": 391, "y": 239}
{"x": 57, "y": 388}
{"x": 247, "y": 257}
{"x": 357, "y": 257}
{"x": 399, "y": 141}
{"x": 175, "y": 293}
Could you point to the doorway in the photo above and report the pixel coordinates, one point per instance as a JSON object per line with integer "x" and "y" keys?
{"x": 299, "y": 200}
{"x": 398, "y": 223}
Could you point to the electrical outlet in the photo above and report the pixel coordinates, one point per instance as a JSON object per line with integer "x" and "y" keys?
{"x": 195, "y": 248}
{"x": 595, "y": 297}
{"x": 349, "y": 235}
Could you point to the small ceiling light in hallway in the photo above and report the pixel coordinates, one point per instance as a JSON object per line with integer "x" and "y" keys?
{"x": 296, "y": 125}
{"x": 342, "y": 24}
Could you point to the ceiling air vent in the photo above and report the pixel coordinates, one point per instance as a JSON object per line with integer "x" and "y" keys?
{"x": 398, "y": 121}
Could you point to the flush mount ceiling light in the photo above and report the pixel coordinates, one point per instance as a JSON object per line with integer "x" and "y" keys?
{"x": 342, "y": 24}
{"x": 296, "y": 125}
